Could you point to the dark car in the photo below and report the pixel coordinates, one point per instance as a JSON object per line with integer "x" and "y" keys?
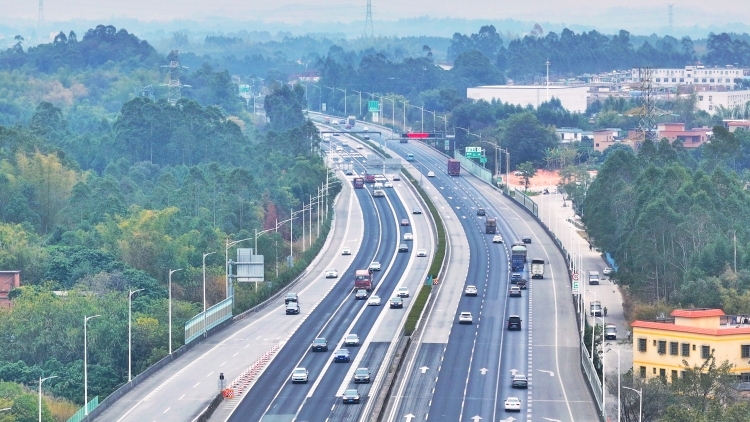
{"x": 405, "y": 222}
{"x": 362, "y": 375}
{"x": 522, "y": 284}
{"x": 514, "y": 322}
{"x": 397, "y": 302}
{"x": 520, "y": 381}
{"x": 403, "y": 247}
{"x": 515, "y": 277}
{"x": 360, "y": 294}
{"x": 349, "y": 173}
{"x": 526, "y": 239}
{"x": 341, "y": 355}
{"x": 291, "y": 297}
{"x": 319, "y": 345}
{"x": 481, "y": 211}
{"x": 350, "y": 396}
{"x": 292, "y": 308}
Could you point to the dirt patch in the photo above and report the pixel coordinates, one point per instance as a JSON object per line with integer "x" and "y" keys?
{"x": 543, "y": 178}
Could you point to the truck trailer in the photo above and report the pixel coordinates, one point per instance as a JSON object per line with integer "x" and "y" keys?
{"x": 363, "y": 280}
{"x": 454, "y": 167}
{"x": 517, "y": 257}
{"x": 358, "y": 182}
{"x": 537, "y": 268}
{"x": 490, "y": 225}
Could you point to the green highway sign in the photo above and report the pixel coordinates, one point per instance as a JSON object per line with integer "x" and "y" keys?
{"x": 473, "y": 152}
{"x": 373, "y": 106}
{"x": 483, "y": 160}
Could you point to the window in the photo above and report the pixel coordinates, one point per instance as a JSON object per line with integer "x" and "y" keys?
{"x": 710, "y": 107}
{"x": 658, "y": 79}
{"x": 703, "y": 80}
{"x": 674, "y": 375}
{"x": 682, "y": 79}
{"x": 673, "y": 348}
{"x": 641, "y": 344}
{"x": 712, "y": 80}
{"x": 685, "y": 349}
{"x": 744, "y": 377}
{"x": 682, "y": 374}
{"x": 674, "y": 79}
{"x": 710, "y": 97}
{"x": 693, "y": 347}
{"x": 700, "y": 97}
{"x": 663, "y": 374}
{"x": 705, "y": 352}
{"x": 642, "y": 371}
{"x": 662, "y": 347}
{"x": 745, "y": 351}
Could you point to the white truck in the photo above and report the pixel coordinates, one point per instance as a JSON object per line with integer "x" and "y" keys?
{"x": 537, "y": 268}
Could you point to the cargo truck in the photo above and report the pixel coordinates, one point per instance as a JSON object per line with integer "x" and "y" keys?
{"x": 610, "y": 332}
{"x": 351, "y": 120}
{"x": 490, "y": 225}
{"x": 454, "y": 167}
{"x": 537, "y": 268}
{"x": 517, "y": 257}
{"x": 363, "y": 280}
{"x": 358, "y": 182}
{"x": 369, "y": 178}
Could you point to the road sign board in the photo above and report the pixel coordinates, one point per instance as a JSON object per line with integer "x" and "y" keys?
{"x": 375, "y": 117}
{"x": 576, "y": 287}
{"x": 473, "y": 152}
{"x": 575, "y": 276}
{"x": 483, "y": 160}
{"x": 373, "y": 105}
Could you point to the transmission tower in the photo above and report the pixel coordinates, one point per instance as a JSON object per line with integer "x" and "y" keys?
{"x": 41, "y": 13}
{"x": 369, "y": 31}
{"x": 671, "y": 19}
{"x": 173, "y": 84}
{"x": 647, "y": 112}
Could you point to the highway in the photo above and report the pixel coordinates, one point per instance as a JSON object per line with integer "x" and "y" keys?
{"x": 274, "y": 397}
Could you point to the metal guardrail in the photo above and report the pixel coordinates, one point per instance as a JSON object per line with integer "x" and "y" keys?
{"x": 591, "y": 375}
{"x": 204, "y": 321}
{"x": 474, "y": 168}
{"x": 526, "y": 202}
{"x": 81, "y": 413}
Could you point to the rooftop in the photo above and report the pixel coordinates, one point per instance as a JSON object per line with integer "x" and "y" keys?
{"x": 711, "y": 322}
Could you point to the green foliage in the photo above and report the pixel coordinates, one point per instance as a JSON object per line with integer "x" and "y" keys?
{"x": 416, "y": 309}
{"x": 529, "y": 171}
{"x": 526, "y": 139}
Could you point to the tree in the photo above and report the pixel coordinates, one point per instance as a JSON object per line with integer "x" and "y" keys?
{"x": 526, "y": 139}
{"x": 528, "y": 172}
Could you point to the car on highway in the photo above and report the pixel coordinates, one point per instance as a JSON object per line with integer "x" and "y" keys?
{"x": 409, "y": 157}
{"x": 514, "y": 323}
{"x": 405, "y": 222}
{"x": 521, "y": 284}
{"x": 360, "y": 147}
{"x": 346, "y": 251}
{"x": 350, "y": 396}
{"x": 360, "y": 294}
{"x": 319, "y": 345}
{"x": 416, "y": 210}
{"x": 332, "y": 274}
{"x": 402, "y": 291}
{"x": 374, "y": 301}
{"x": 292, "y": 308}
{"x": 349, "y": 173}
{"x": 396, "y": 177}
{"x": 342, "y": 121}
{"x": 481, "y": 212}
{"x": 515, "y": 291}
{"x": 470, "y": 290}
{"x": 497, "y": 239}
{"x": 408, "y": 236}
{"x": 291, "y": 297}
{"x": 351, "y": 340}
{"x": 387, "y": 184}
{"x": 336, "y": 134}
{"x": 518, "y": 173}
{"x": 519, "y": 381}
{"x": 512, "y": 404}
{"x": 430, "y": 173}
{"x": 299, "y": 375}
{"x": 515, "y": 277}
{"x": 403, "y": 247}
{"x": 378, "y": 193}
{"x": 397, "y": 302}
{"x": 362, "y": 375}
{"x": 465, "y": 318}
{"x": 375, "y": 266}
{"x": 607, "y": 271}
{"x": 610, "y": 332}
{"x": 341, "y": 355}
{"x": 526, "y": 239}
{"x": 421, "y": 253}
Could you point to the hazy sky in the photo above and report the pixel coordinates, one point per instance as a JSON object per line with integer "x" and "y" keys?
{"x": 591, "y": 12}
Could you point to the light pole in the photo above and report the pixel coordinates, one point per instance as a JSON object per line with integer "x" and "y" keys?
{"x": 360, "y": 101}
{"x": 85, "y": 365}
{"x": 404, "y": 102}
{"x": 344, "y": 91}
{"x": 333, "y": 93}
{"x": 422, "y": 109}
{"x": 130, "y": 331}
{"x": 226, "y": 260}
{"x": 205, "y": 329}
{"x": 434, "y": 121}
{"x": 41, "y": 380}
{"x": 640, "y": 401}
{"x": 619, "y": 403}
{"x": 170, "y": 307}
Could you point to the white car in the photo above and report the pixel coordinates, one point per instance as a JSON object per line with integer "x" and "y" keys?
{"x": 408, "y": 236}
{"x": 299, "y": 375}
{"x": 421, "y": 253}
{"x": 430, "y": 174}
{"x": 470, "y": 291}
{"x": 346, "y": 251}
{"x": 402, "y": 291}
{"x": 607, "y": 271}
{"x": 396, "y": 177}
{"x": 332, "y": 274}
{"x": 375, "y": 266}
{"x": 360, "y": 147}
{"x": 497, "y": 239}
{"x": 373, "y": 301}
{"x": 351, "y": 340}
{"x": 388, "y": 185}
{"x": 465, "y": 318}
{"x": 512, "y": 404}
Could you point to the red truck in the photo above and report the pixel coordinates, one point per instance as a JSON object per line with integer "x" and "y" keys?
{"x": 363, "y": 280}
{"x": 369, "y": 178}
{"x": 454, "y": 167}
{"x": 358, "y": 182}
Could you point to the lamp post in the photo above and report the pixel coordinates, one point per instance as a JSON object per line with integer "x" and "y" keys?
{"x": 205, "y": 329}
{"x": 393, "y": 109}
{"x": 344, "y": 91}
{"x": 360, "y": 101}
{"x": 41, "y": 380}
{"x": 640, "y": 401}
{"x": 434, "y": 121}
{"x": 404, "y": 102}
{"x": 619, "y": 403}
{"x": 422, "y": 109}
{"x": 85, "y": 365}
{"x": 226, "y": 260}
{"x": 170, "y": 307}
{"x": 130, "y": 331}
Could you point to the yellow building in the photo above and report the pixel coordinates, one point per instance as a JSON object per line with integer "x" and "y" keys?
{"x": 659, "y": 347}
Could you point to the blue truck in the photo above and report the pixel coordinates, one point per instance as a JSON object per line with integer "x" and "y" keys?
{"x": 517, "y": 257}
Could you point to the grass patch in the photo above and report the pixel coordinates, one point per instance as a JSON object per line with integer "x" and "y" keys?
{"x": 416, "y": 310}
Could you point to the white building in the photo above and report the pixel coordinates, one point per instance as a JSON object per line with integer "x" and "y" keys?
{"x": 708, "y": 101}
{"x": 572, "y": 98}
{"x": 712, "y": 77}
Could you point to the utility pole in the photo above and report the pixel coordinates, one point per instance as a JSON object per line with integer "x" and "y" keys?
{"x": 368, "y": 20}
{"x": 547, "y": 84}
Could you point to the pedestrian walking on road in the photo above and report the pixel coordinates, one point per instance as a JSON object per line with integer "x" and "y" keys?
{"x": 590, "y": 247}
{"x": 605, "y": 311}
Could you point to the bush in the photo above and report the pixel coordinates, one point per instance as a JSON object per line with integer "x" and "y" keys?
{"x": 416, "y": 310}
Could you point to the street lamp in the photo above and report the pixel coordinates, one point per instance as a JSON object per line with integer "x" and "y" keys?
{"x": 333, "y": 93}
{"x": 41, "y": 380}
{"x": 619, "y": 403}
{"x": 593, "y": 328}
{"x": 434, "y": 121}
{"x": 320, "y": 98}
{"x": 360, "y": 101}
{"x": 205, "y": 330}
{"x": 393, "y": 109}
{"x": 85, "y": 365}
{"x": 130, "y": 330}
{"x": 422, "y": 109}
{"x": 170, "y": 307}
{"x": 640, "y": 401}
{"x": 404, "y": 102}
{"x": 344, "y": 91}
